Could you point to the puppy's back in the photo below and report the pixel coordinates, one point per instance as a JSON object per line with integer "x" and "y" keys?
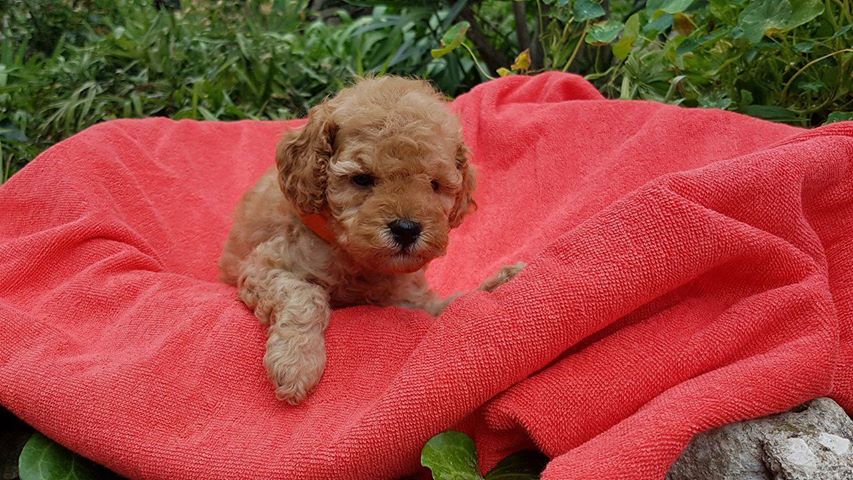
{"x": 261, "y": 213}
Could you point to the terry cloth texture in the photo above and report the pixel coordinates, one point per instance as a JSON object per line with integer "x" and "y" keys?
{"x": 687, "y": 268}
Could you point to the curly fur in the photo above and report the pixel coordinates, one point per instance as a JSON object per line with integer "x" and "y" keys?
{"x": 402, "y": 133}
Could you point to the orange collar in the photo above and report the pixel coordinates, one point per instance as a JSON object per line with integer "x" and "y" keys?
{"x": 319, "y": 225}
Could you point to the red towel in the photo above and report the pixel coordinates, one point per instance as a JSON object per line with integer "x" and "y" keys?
{"x": 687, "y": 268}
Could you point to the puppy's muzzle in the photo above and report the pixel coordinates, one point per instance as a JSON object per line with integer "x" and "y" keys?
{"x": 404, "y": 231}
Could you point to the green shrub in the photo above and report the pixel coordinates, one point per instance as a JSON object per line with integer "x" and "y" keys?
{"x": 782, "y": 60}
{"x": 67, "y": 64}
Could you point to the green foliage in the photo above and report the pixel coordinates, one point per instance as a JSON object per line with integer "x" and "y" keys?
{"x": 584, "y": 10}
{"x": 603, "y": 33}
{"x": 66, "y": 64}
{"x": 43, "y": 459}
{"x": 782, "y": 60}
{"x": 452, "y": 455}
{"x": 776, "y": 16}
{"x": 839, "y": 117}
{"x": 451, "y": 39}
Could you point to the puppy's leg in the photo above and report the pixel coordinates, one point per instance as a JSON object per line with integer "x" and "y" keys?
{"x": 422, "y": 297}
{"x": 504, "y": 275}
{"x": 297, "y": 313}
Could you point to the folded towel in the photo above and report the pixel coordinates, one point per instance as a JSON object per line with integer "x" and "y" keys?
{"x": 687, "y": 268}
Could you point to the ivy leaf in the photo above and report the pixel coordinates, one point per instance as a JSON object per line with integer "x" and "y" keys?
{"x": 668, "y": 6}
{"x": 761, "y": 15}
{"x": 524, "y": 465}
{"x": 604, "y": 33}
{"x": 451, "y": 39}
{"x": 43, "y": 459}
{"x": 714, "y": 100}
{"x": 658, "y": 24}
{"x": 584, "y": 10}
{"x": 768, "y": 17}
{"x": 450, "y": 455}
{"x": 623, "y": 47}
{"x": 838, "y": 117}
{"x": 802, "y": 12}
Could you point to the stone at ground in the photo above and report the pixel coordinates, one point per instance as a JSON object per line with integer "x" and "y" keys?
{"x": 812, "y": 442}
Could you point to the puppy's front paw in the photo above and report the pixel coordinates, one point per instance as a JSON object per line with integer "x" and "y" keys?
{"x": 504, "y": 275}
{"x": 295, "y": 364}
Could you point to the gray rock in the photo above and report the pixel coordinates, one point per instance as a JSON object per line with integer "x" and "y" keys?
{"x": 791, "y": 458}
{"x": 837, "y": 445}
{"x": 812, "y": 442}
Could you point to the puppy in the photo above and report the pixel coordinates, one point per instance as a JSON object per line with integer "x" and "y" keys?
{"x": 363, "y": 197}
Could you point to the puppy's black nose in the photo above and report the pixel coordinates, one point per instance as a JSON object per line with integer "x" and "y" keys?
{"x": 405, "y": 231}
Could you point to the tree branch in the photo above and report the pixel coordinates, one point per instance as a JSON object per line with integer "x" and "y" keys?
{"x": 521, "y": 31}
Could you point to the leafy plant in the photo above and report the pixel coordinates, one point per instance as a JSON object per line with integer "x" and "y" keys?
{"x": 839, "y": 117}
{"x": 783, "y": 60}
{"x": 43, "y": 459}
{"x": 65, "y": 65}
{"x": 452, "y": 455}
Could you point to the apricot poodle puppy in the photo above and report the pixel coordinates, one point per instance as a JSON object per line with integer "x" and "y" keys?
{"x": 363, "y": 197}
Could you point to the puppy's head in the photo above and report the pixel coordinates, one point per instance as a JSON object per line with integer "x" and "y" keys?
{"x": 384, "y": 161}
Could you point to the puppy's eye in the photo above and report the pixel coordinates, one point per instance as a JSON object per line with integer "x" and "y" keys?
{"x": 435, "y": 185}
{"x": 364, "y": 180}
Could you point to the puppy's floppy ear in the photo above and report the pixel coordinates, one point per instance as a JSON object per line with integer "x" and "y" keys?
{"x": 464, "y": 199}
{"x": 302, "y": 157}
